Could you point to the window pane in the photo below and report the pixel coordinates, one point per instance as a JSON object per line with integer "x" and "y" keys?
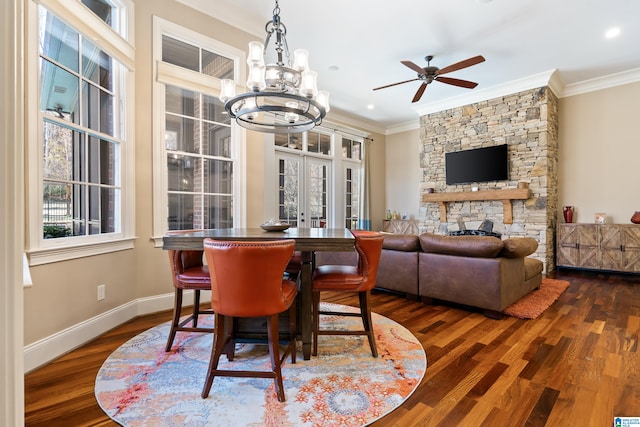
{"x": 215, "y": 65}
{"x": 180, "y": 53}
{"x": 289, "y": 178}
{"x": 218, "y": 211}
{"x": 288, "y": 140}
{"x": 79, "y": 204}
{"x": 216, "y": 140}
{"x": 97, "y": 109}
{"x": 58, "y": 92}
{"x": 104, "y": 9}
{"x": 213, "y": 110}
{"x": 346, "y": 149}
{"x": 94, "y": 204}
{"x": 180, "y": 212}
{"x": 218, "y": 177}
{"x": 58, "y": 151}
{"x": 181, "y": 172}
{"x": 101, "y": 160}
{"x": 318, "y": 192}
{"x": 56, "y": 210}
{"x": 179, "y": 134}
{"x": 319, "y": 143}
{"x": 351, "y": 198}
{"x": 324, "y": 144}
{"x": 180, "y": 101}
{"x": 356, "y": 150}
{"x": 59, "y": 42}
{"x": 96, "y": 65}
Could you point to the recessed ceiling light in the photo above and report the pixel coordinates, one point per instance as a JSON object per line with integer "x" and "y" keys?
{"x": 612, "y": 32}
{"x": 370, "y": 107}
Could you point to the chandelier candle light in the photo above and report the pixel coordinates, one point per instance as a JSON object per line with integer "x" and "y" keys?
{"x": 283, "y": 98}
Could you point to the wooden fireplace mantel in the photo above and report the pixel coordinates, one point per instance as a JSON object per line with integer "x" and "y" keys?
{"x": 505, "y": 196}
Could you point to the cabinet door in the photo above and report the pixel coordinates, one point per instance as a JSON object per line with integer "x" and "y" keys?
{"x": 611, "y": 238}
{"x": 631, "y": 248}
{"x": 588, "y": 246}
{"x": 567, "y": 247}
{"x": 578, "y": 246}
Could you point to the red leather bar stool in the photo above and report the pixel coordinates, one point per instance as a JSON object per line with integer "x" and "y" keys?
{"x": 360, "y": 278}
{"x": 189, "y": 273}
{"x": 247, "y": 281}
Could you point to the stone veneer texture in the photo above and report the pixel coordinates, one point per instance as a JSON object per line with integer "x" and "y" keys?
{"x": 528, "y": 123}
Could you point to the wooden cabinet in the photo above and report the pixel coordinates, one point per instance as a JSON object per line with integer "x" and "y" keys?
{"x": 620, "y": 247}
{"x": 400, "y": 226}
{"x": 578, "y": 246}
{"x": 614, "y": 247}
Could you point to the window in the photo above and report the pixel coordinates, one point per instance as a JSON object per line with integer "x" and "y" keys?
{"x": 199, "y": 163}
{"x": 195, "y": 146}
{"x": 351, "y": 155}
{"x": 104, "y": 10}
{"x": 84, "y": 131}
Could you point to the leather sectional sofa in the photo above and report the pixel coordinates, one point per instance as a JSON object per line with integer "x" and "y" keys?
{"x": 477, "y": 271}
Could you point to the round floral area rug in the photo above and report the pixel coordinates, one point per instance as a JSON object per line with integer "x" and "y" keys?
{"x": 142, "y": 385}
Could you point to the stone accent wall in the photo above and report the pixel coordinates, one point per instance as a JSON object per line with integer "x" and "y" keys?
{"x": 528, "y": 123}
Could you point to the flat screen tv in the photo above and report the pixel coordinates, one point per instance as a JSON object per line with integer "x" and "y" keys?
{"x": 477, "y": 165}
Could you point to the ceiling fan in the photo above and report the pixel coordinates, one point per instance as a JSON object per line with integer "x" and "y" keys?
{"x": 58, "y": 110}
{"x": 430, "y": 73}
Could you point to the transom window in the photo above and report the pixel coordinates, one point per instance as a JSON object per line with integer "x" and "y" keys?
{"x": 196, "y": 149}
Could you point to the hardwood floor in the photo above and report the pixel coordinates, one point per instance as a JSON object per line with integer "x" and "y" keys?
{"x": 578, "y": 364}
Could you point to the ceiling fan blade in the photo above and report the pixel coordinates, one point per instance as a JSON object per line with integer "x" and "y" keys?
{"x": 419, "y": 93}
{"x": 394, "y": 84}
{"x": 415, "y": 67}
{"x": 462, "y": 64}
{"x": 457, "y": 82}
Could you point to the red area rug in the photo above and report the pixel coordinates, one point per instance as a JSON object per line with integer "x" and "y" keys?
{"x": 536, "y": 302}
{"x": 142, "y": 385}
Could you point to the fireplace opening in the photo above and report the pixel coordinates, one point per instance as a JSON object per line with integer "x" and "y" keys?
{"x": 485, "y": 229}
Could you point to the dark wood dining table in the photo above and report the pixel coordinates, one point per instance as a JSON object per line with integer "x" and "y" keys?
{"x": 308, "y": 241}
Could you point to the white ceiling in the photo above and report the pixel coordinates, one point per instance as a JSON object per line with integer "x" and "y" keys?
{"x": 522, "y": 41}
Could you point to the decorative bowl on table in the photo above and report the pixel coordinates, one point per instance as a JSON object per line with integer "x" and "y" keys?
{"x": 275, "y": 226}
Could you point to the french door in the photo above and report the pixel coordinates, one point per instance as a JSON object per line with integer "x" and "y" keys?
{"x": 304, "y": 190}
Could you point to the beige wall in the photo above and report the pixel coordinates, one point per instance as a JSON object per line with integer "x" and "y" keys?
{"x": 64, "y": 294}
{"x": 377, "y": 174}
{"x": 599, "y": 154}
{"x": 403, "y": 173}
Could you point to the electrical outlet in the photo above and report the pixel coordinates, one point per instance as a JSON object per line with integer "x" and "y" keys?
{"x": 101, "y": 292}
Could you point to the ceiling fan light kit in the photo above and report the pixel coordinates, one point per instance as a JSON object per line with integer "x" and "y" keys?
{"x": 284, "y": 97}
{"x": 430, "y": 74}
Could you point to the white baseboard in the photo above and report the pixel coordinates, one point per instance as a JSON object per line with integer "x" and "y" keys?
{"x": 47, "y": 349}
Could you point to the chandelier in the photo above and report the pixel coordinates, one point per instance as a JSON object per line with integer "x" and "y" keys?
{"x": 283, "y": 97}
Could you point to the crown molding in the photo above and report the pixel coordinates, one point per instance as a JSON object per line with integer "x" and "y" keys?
{"x": 612, "y": 80}
{"x": 230, "y": 14}
{"x": 337, "y": 116}
{"x": 403, "y": 127}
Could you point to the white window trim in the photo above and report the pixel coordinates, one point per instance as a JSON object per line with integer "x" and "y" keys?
{"x": 169, "y": 74}
{"x": 44, "y": 251}
{"x": 87, "y": 23}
